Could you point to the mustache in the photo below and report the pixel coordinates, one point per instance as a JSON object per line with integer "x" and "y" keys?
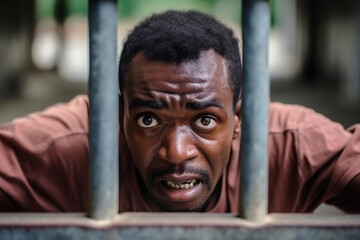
{"x": 185, "y": 170}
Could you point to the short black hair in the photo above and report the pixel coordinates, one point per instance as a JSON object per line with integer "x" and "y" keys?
{"x": 177, "y": 36}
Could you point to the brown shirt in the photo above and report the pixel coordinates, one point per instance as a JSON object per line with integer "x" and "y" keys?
{"x": 44, "y": 162}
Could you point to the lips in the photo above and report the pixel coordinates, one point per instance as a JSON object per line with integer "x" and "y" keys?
{"x": 179, "y": 188}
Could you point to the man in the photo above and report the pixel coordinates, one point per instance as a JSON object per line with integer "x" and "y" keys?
{"x": 179, "y": 121}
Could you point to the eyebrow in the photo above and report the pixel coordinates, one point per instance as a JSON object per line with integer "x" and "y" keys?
{"x": 150, "y": 104}
{"x": 161, "y": 105}
{"x": 203, "y": 105}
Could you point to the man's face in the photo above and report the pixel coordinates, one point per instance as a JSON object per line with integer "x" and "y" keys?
{"x": 179, "y": 123}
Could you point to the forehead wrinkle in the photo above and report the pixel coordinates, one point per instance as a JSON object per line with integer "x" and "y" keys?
{"x": 177, "y": 85}
{"x": 170, "y": 99}
{"x": 180, "y": 88}
{"x": 193, "y": 101}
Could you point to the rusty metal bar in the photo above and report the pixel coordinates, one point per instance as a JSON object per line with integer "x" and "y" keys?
{"x": 103, "y": 93}
{"x": 254, "y": 139}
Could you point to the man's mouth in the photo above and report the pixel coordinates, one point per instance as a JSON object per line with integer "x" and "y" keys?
{"x": 178, "y": 188}
{"x": 184, "y": 190}
{"x": 185, "y": 185}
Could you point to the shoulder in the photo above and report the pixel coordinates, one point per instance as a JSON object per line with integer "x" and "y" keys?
{"x": 313, "y": 139}
{"x": 37, "y": 131}
{"x": 287, "y": 117}
{"x": 47, "y": 152}
{"x": 304, "y": 150}
{"x": 313, "y": 134}
{"x": 284, "y": 117}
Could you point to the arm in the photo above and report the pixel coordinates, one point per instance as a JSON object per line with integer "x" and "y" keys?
{"x": 330, "y": 163}
{"x": 43, "y": 157}
{"x": 7, "y": 204}
{"x": 349, "y": 199}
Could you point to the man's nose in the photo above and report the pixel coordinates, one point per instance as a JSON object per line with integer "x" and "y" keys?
{"x": 178, "y": 145}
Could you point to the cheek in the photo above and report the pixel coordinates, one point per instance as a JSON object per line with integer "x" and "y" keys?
{"x": 226, "y": 143}
{"x": 217, "y": 153}
{"x": 140, "y": 150}
{"x": 223, "y": 154}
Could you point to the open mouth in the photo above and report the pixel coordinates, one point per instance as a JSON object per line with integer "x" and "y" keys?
{"x": 185, "y": 185}
{"x": 179, "y": 189}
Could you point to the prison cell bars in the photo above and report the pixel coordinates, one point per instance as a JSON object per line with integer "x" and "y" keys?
{"x": 104, "y": 106}
{"x": 254, "y": 126}
{"x": 103, "y": 97}
{"x": 105, "y": 223}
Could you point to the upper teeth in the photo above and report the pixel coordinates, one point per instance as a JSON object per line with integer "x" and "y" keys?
{"x": 185, "y": 185}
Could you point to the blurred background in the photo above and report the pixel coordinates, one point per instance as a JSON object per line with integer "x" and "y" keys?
{"x": 314, "y": 51}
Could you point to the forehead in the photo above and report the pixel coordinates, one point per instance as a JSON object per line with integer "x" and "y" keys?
{"x": 197, "y": 78}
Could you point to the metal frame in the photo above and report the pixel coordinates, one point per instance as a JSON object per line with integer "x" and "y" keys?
{"x": 178, "y": 226}
{"x": 105, "y": 223}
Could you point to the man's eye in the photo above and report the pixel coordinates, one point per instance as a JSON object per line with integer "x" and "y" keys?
{"x": 147, "y": 121}
{"x": 205, "y": 122}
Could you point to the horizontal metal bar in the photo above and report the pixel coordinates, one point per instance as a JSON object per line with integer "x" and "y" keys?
{"x": 178, "y": 226}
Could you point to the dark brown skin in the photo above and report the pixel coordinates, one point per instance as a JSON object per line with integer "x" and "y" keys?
{"x": 179, "y": 123}
{"x": 172, "y": 137}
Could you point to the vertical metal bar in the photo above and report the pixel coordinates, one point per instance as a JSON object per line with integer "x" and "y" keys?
{"x": 103, "y": 92}
{"x": 254, "y": 139}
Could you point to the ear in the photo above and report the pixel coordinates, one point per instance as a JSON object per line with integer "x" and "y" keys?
{"x": 237, "y": 120}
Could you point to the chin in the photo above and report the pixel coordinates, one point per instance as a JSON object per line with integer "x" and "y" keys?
{"x": 183, "y": 207}
{"x": 189, "y": 209}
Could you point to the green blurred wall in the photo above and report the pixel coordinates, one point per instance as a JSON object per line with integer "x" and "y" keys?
{"x": 136, "y": 9}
